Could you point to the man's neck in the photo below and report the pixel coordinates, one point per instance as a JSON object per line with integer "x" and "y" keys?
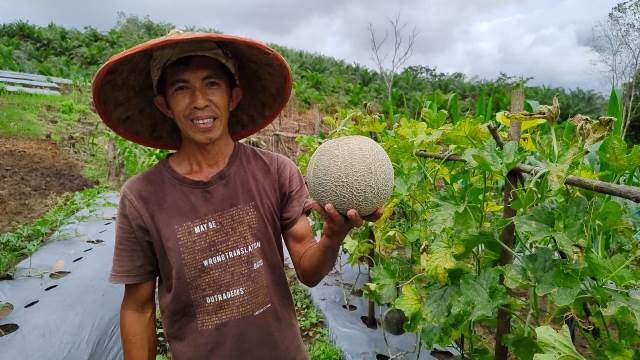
{"x": 202, "y": 162}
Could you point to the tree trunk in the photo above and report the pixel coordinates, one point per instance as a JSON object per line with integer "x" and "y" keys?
{"x": 629, "y": 111}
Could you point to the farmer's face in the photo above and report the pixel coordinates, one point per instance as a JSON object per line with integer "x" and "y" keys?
{"x": 199, "y": 99}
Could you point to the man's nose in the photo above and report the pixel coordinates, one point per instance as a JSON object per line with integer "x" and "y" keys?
{"x": 199, "y": 99}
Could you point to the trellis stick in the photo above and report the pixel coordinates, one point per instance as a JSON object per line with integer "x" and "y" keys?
{"x": 622, "y": 191}
{"x": 494, "y": 133}
{"x": 371, "y": 311}
{"x": 508, "y": 234}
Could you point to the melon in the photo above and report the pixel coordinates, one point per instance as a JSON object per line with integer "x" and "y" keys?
{"x": 350, "y": 172}
{"x": 393, "y": 321}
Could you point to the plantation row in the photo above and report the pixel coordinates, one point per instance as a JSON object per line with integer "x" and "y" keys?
{"x": 564, "y": 286}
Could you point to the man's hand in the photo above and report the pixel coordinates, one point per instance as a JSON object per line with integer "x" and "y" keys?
{"x": 336, "y": 226}
{"x": 314, "y": 259}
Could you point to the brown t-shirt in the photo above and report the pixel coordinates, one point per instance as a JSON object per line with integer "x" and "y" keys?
{"x": 216, "y": 249}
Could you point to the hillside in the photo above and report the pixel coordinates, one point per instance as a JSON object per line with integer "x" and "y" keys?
{"x": 318, "y": 79}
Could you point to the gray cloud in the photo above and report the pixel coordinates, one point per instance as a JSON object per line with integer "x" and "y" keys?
{"x": 545, "y": 39}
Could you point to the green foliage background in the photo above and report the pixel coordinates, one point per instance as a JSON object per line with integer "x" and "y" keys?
{"x": 437, "y": 246}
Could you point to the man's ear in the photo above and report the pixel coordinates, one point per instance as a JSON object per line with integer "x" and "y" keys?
{"x": 161, "y": 103}
{"x": 236, "y": 95}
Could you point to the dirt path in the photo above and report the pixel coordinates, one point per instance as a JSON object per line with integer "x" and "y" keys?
{"x": 31, "y": 172}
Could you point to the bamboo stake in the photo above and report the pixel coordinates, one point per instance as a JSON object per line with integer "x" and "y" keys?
{"x": 508, "y": 234}
{"x": 371, "y": 311}
{"x": 623, "y": 191}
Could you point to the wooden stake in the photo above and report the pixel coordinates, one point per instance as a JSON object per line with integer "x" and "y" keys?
{"x": 371, "y": 313}
{"x": 508, "y": 235}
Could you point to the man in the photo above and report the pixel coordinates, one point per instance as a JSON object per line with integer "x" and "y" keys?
{"x": 207, "y": 221}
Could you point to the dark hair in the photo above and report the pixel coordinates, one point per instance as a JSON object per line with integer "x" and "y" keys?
{"x": 186, "y": 61}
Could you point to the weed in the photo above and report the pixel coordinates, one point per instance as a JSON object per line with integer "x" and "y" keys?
{"x": 25, "y": 239}
{"x": 312, "y": 328}
{"x": 135, "y": 158}
{"x": 322, "y": 350}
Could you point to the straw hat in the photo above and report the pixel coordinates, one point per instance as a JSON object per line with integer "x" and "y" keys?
{"x": 123, "y": 88}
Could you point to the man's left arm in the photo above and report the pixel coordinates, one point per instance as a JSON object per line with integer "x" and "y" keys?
{"x": 313, "y": 259}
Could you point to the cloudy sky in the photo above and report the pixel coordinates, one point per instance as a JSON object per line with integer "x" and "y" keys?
{"x": 544, "y": 39}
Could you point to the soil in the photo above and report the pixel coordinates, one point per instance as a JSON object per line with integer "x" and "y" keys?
{"x": 32, "y": 173}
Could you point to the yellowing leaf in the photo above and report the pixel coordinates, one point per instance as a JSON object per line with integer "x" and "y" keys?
{"x": 437, "y": 262}
{"x": 588, "y": 174}
{"x": 388, "y": 210}
{"x": 502, "y": 118}
{"x": 531, "y": 124}
{"x": 410, "y": 302}
{"x": 492, "y": 207}
{"x": 526, "y": 123}
{"x": 5, "y": 310}
{"x": 457, "y": 248}
{"x": 527, "y": 142}
{"x": 445, "y": 173}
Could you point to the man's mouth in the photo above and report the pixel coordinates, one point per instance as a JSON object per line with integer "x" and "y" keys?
{"x": 204, "y": 122}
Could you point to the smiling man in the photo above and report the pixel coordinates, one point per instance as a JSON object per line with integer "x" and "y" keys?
{"x": 206, "y": 223}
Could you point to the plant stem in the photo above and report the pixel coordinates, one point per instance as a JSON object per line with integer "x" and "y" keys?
{"x": 517, "y": 316}
{"x": 604, "y": 322}
{"x": 555, "y": 143}
{"x": 471, "y": 333}
{"x": 621, "y": 267}
{"x": 484, "y": 192}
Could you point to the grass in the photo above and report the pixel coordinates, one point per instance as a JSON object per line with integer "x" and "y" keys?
{"x": 27, "y": 238}
{"x": 67, "y": 119}
{"x": 21, "y": 114}
{"x": 312, "y": 328}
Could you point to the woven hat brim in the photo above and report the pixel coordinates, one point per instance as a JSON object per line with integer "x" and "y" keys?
{"x": 123, "y": 92}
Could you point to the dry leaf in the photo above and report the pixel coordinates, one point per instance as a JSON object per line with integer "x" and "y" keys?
{"x": 5, "y": 310}
{"x": 7, "y": 329}
{"x": 57, "y": 266}
{"x": 59, "y": 274}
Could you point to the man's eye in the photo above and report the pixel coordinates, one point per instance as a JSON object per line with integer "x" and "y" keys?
{"x": 179, "y": 88}
{"x": 213, "y": 83}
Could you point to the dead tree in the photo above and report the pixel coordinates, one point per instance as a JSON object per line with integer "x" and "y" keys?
{"x": 400, "y": 52}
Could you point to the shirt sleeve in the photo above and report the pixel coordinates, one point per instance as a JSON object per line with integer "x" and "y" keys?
{"x": 134, "y": 260}
{"x": 294, "y": 195}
